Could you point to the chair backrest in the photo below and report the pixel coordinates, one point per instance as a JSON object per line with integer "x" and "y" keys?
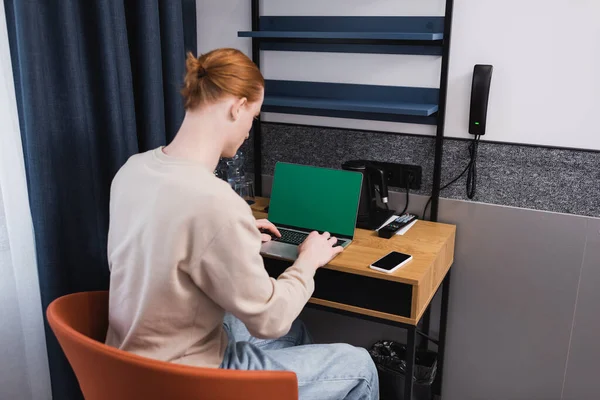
{"x": 80, "y": 321}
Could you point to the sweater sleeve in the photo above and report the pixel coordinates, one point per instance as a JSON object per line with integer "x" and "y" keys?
{"x": 231, "y": 272}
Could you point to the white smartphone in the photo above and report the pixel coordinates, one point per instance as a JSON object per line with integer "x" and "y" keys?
{"x": 391, "y": 262}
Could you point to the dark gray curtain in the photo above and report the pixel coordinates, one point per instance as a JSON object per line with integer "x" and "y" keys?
{"x": 96, "y": 81}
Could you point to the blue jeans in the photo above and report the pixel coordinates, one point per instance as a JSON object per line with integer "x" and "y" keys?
{"x": 324, "y": 371}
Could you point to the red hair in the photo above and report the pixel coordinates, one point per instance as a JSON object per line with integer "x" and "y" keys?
{"x": 218, "y": 73}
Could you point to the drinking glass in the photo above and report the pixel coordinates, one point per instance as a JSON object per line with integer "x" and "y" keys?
{"x": 245, "y": 189}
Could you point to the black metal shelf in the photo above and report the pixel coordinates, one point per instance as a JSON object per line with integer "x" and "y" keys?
{"x": 428, "y": 36}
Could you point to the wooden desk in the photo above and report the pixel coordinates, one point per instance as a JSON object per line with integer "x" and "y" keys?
{"x": 432, "y": 246}
{"x": 349, "y": 286}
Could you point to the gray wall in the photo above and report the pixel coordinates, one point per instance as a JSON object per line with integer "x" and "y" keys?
{"x": 581, "y": 378}
{"x": 517, "y": 277}
{"x": 561, "y": 180}
{"x": 522, "y": 320}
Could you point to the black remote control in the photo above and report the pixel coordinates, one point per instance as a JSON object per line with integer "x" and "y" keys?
{"x": 390, "y": 229}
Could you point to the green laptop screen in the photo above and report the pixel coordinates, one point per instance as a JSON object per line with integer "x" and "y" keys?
{"x": 315, "y": 198}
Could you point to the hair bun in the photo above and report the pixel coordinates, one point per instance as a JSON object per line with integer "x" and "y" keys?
{"x": 219, "y": 73}
{"x": 201, "y": 72}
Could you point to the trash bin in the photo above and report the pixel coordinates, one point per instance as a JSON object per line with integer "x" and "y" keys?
{"x": 390, "y": 359}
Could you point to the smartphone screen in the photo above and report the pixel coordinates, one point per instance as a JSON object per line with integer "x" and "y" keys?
{"x": 391, "y": 260}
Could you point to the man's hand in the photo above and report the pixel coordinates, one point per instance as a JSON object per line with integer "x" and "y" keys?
{"x": 265, "y": 225}
{"x": 318, "y": 249}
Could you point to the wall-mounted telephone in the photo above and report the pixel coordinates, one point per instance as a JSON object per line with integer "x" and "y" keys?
{"x": 480, "y": 93}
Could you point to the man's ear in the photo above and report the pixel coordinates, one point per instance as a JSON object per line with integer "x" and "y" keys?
{"x": 236, "y": 108}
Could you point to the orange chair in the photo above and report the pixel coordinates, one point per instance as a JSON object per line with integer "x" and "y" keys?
{"x": 80, "y": 321}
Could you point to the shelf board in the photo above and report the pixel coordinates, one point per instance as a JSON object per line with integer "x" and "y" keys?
{"x": 377, "y": 107}
{"x": 339, "y": 98}
{"x": 423, "y": 48}
{"x": 384, "y": 36}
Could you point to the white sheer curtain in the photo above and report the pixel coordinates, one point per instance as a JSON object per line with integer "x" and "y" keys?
{"x": 24, "y": 371}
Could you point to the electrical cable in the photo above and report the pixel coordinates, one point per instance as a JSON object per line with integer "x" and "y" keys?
{"x": 408, "y": 182}
{"x": 407, "y": 195}
{"x": 471, "y": 168}
{"x": 387, "y": 207}
{"x": 472, "y": 171}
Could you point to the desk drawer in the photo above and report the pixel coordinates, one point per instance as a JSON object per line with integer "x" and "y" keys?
{"x": 355, "y": 290}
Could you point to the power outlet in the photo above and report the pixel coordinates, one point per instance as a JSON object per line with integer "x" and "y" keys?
{"x": 398, "y": 175}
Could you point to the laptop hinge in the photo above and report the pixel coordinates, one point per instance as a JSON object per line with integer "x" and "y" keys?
{"x": 307, "y": 231}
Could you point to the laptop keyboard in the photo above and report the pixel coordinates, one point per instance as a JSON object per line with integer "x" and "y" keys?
{"x": 291, "y": 237}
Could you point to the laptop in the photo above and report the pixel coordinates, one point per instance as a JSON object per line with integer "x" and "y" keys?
{"x": 305, "y": 199}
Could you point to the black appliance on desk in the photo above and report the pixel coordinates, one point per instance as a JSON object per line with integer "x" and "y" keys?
{"x": 370, "y": 214}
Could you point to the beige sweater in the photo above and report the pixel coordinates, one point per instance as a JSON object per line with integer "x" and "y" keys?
{"x": 183, "y": 249}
